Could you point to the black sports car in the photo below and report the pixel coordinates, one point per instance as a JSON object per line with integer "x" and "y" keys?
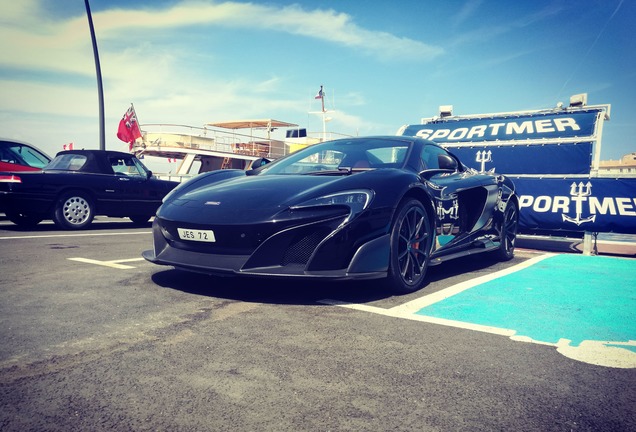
{"x": 358, "y": 208}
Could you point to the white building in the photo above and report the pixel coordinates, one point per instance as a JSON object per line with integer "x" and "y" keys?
{"x": 626, "y": 166}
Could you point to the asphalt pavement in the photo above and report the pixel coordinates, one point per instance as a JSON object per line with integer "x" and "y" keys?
{"x": 95, "y": 338}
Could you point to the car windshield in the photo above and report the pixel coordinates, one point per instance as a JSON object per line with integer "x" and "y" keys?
{"x": 22, "y": 154}
{"x": 343, "y": 157}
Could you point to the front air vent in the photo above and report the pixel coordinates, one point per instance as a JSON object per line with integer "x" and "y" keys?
{"x": 301, "y": 248}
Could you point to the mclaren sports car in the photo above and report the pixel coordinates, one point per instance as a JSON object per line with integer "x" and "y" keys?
{"x": 358, "y": 208}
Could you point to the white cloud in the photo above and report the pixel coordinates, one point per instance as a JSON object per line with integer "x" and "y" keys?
{"x": 63, "y": 45}
{"x": 54, "y": 67}
{"x": 326, "y": 25}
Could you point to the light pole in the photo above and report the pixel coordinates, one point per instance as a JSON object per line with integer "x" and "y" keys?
{"x": 100, "y": 87}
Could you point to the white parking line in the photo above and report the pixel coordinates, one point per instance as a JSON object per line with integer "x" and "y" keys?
{"x": 111, "y": 264}
{"x": 395, "y": 312}
{"x": 407, "y": 310}
{"x": 422, "y": 302}
{"x": 74, "y": 235}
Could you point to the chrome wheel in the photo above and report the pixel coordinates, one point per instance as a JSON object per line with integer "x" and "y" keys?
{"x": 74, "y": 211}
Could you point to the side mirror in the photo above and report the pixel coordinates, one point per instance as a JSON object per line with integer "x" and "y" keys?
{"x": 447, "y": 165}
{"x": 256, "y": 166}
{"x": 259, "y": 162}
{"x": 447, "y": 162}
{"x": 149, "y": 174}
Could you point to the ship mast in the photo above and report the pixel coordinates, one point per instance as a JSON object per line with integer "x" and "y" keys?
{"x": 323, "y": 112}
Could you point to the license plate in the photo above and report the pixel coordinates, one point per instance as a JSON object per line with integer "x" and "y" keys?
{"x": 196, "y": 235}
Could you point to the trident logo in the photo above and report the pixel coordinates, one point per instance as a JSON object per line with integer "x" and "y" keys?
{"x": 579, "y": 194}
{"x": 483, "y": 156}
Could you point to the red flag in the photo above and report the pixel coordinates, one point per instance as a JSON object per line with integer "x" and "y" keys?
{"x": 129, "y": 127}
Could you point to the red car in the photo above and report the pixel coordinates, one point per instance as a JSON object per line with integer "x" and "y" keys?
{"x": 18, "y": 156}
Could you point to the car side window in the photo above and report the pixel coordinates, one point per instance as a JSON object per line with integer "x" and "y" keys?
{"x": 429, "y": 158}
{"x": 125, "y": 166}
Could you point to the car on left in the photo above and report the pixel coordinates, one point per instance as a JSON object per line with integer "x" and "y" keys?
{"x": 19, "y": 156}
{"x": 78, "y": 185}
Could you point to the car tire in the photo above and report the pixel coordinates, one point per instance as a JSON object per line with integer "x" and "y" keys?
{"x": 508, "y": 232}
{"x": 74, "y": 210}
{"x": 411, "y": 240}
{"x": 139, "y": 220}
{"x": 23, "y": 220}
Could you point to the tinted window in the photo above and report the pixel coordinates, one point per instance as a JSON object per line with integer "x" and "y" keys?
{"x": 429, "y": 157}
{"x": 67, "y": 162}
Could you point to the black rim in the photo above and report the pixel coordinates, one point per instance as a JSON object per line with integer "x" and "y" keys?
{"x": 413, "y": 242}
{"x": 509, "y": 227}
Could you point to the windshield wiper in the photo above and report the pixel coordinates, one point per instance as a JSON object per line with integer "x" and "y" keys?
{"x": 340, "y": 171}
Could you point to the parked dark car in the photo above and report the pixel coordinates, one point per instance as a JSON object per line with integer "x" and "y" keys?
{"x": 19, "y": 156}
{"x": 359, "y": 208}
{"x": 77, "y": 185}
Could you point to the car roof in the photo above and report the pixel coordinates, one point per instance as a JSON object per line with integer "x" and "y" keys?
{"x": 97, "y": 160}
{"x": 97, "y": 152}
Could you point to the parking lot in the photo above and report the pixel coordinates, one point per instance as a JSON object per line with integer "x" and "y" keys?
{"x": 96, "y": 338}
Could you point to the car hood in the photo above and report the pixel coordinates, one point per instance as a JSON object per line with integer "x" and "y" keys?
{"x": 248, "y": 199}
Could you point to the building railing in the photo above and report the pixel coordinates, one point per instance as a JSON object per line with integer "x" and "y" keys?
{"x": 156, "y": 136}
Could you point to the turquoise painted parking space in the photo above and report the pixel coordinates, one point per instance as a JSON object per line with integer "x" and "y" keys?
{"x": 584, "y": 305}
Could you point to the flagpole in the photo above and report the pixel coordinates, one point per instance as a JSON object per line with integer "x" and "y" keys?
{"x": 100, "y": 87}
{"x": 322, "y": 98}
{"x": 323, "y": 112}
{"x": 135, "y": 114}
{"x": 324, "y": 123}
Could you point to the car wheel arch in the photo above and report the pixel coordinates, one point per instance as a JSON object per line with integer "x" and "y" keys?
{"x": 74, "y": 189}
{"x": 505, "y": 252}
{"x": 512, "y": 197}
{"x": 421, "y": 195}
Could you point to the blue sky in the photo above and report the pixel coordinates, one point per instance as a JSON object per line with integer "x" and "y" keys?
{"x": 383, "y": 63}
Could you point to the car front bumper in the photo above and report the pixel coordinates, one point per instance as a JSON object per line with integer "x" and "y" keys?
{"x": 321, "y": 249}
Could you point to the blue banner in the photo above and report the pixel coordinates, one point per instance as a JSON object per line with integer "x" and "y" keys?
{"x": 535, "y": 126}
{"x": 527, "y": 159}
{"x": 574, "y": 204}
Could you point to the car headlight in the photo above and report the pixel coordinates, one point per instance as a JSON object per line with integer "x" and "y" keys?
{"x": 356, "y": 200}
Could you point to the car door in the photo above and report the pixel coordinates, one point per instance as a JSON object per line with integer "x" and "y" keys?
{"x": 462, "y": 197}
{"x": 135, "y": 194}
